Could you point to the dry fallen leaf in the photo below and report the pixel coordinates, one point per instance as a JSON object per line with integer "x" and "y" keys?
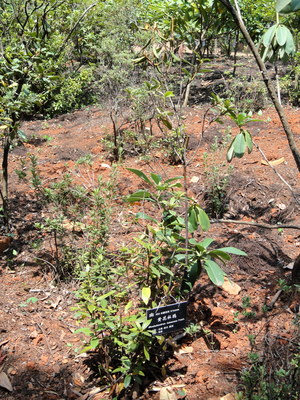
{"x": 274, "y": 162}
{"x": 194, "y": 179}
{"x": 185, "y": 350}
{"x": 229, "y": 396}
{"x": 78, "y": 379}
{"x": 167, "y": 393}
{"x": 230, "y": 287}
{"x": 5, "y": 382}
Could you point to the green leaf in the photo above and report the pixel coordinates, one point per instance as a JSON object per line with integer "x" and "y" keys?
{"x": 287, "y": 6}
{"x": 230, "y": 152}
{"x": 127, "y": 381}
{"x": 248, "y": 139}
{"x": 192, "y": 219}
{"x": 146, "y": 294}
{"x": 173, "y": 179}
{"x": 142, "y": 215}
{"x": 239, "y": 145}
{"x": 206, "y": 242}
{"x": 214, "y": 272}
{"x": 141, "y": 175}
{"x": 269, "y": 35}
{"x": 290, "y": 45}
{"x": 203, "y": 220}
{"x": 169, "y": 94}
{"x": 167, "y": 123}
{"x": 233, "y": 250}
{"x": 281, "y": 34}
{"x": 86, "y": 331}
{"x": 156, "y": 178}
{"x": 146, "y": 353}
{"x": 281, "y": 4}
{"x": 220, "y": 254}
{"x": 140, "y": 195}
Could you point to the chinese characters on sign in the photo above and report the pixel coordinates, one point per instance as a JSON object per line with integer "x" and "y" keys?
{"x": 168, "y": 318}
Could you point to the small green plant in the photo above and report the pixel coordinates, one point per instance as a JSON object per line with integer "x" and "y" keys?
{"x": 163, "y": 265}
{"x": 217, "y": 178}
{"x": 193, "y": 329}
{"x": 247, "y": 308}
{"x": 261, "y": 382}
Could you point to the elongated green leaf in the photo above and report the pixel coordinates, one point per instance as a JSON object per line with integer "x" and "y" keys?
{"x": 287, "y": 6}
{"x": 220, "y": 254}
{"x": 269, "y": 35}
{"x": 248, "y": 139}
{"x": 173, "y": 179}
{"x": 146, "y": 294}
{"x": 203, "y": 220}
{"x": 156, "y": 178}
{"x": 206, "y": 242}
{"x": 214, "y": 272}
{"x": 239, "y": 145}
{"x": 290, "y": 45}
{"x": 140, "y": 195}
{"x": 146, "y": 353}
{"x": 192, "y": 219}
{"x": 281, "y": 34}
{"x": 166, "y": 122}
{"x": 230, "y": 152}
{"x": 127, "y": 381}
{"x": 142, "y": 215}
{"x": 233, "y": 250}
{"x": 169, "y": 94}
{"x": 86, "y": 331}
{"x": 141, "y": 175}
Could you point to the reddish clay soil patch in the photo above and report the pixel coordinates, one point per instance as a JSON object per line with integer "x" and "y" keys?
{"x": 36, "y": 339}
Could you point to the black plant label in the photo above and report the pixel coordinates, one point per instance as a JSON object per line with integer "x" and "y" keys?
{"x": 168, "y": 318}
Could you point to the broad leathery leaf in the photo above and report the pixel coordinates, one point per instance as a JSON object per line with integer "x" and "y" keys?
{"x": 248, "y": 139}
{"x": 281, "y": 34}
{"x": 239, "y": 145}
{"x": 140, "y": 195}
{"x": 146, "y": 294}
{"x": 214, "y": 272}
{"x": 233, "y": 250}
{"x": 290, "y": 44}
{"x": 220, "y": 254}
{"x": 127, "y": 381}
{"x": 140, "y": 174}
{"x": 269, "y": 35}
{"x": 203, "y": 220}
{"x": 230, "y": 152}
{"x": 192, "y": 219}
{"x": 287, "y": 6}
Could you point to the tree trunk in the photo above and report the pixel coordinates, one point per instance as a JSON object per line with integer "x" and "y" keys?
{"x": 287, "y": 129}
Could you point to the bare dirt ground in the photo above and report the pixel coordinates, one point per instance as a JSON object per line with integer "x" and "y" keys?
{"x": 37, "y": 343}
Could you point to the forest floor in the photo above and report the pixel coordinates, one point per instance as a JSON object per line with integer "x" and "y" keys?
{"x": 37, "y": 344}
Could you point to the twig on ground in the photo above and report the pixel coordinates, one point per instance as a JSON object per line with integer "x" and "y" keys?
{"x": 277, "y": 173}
